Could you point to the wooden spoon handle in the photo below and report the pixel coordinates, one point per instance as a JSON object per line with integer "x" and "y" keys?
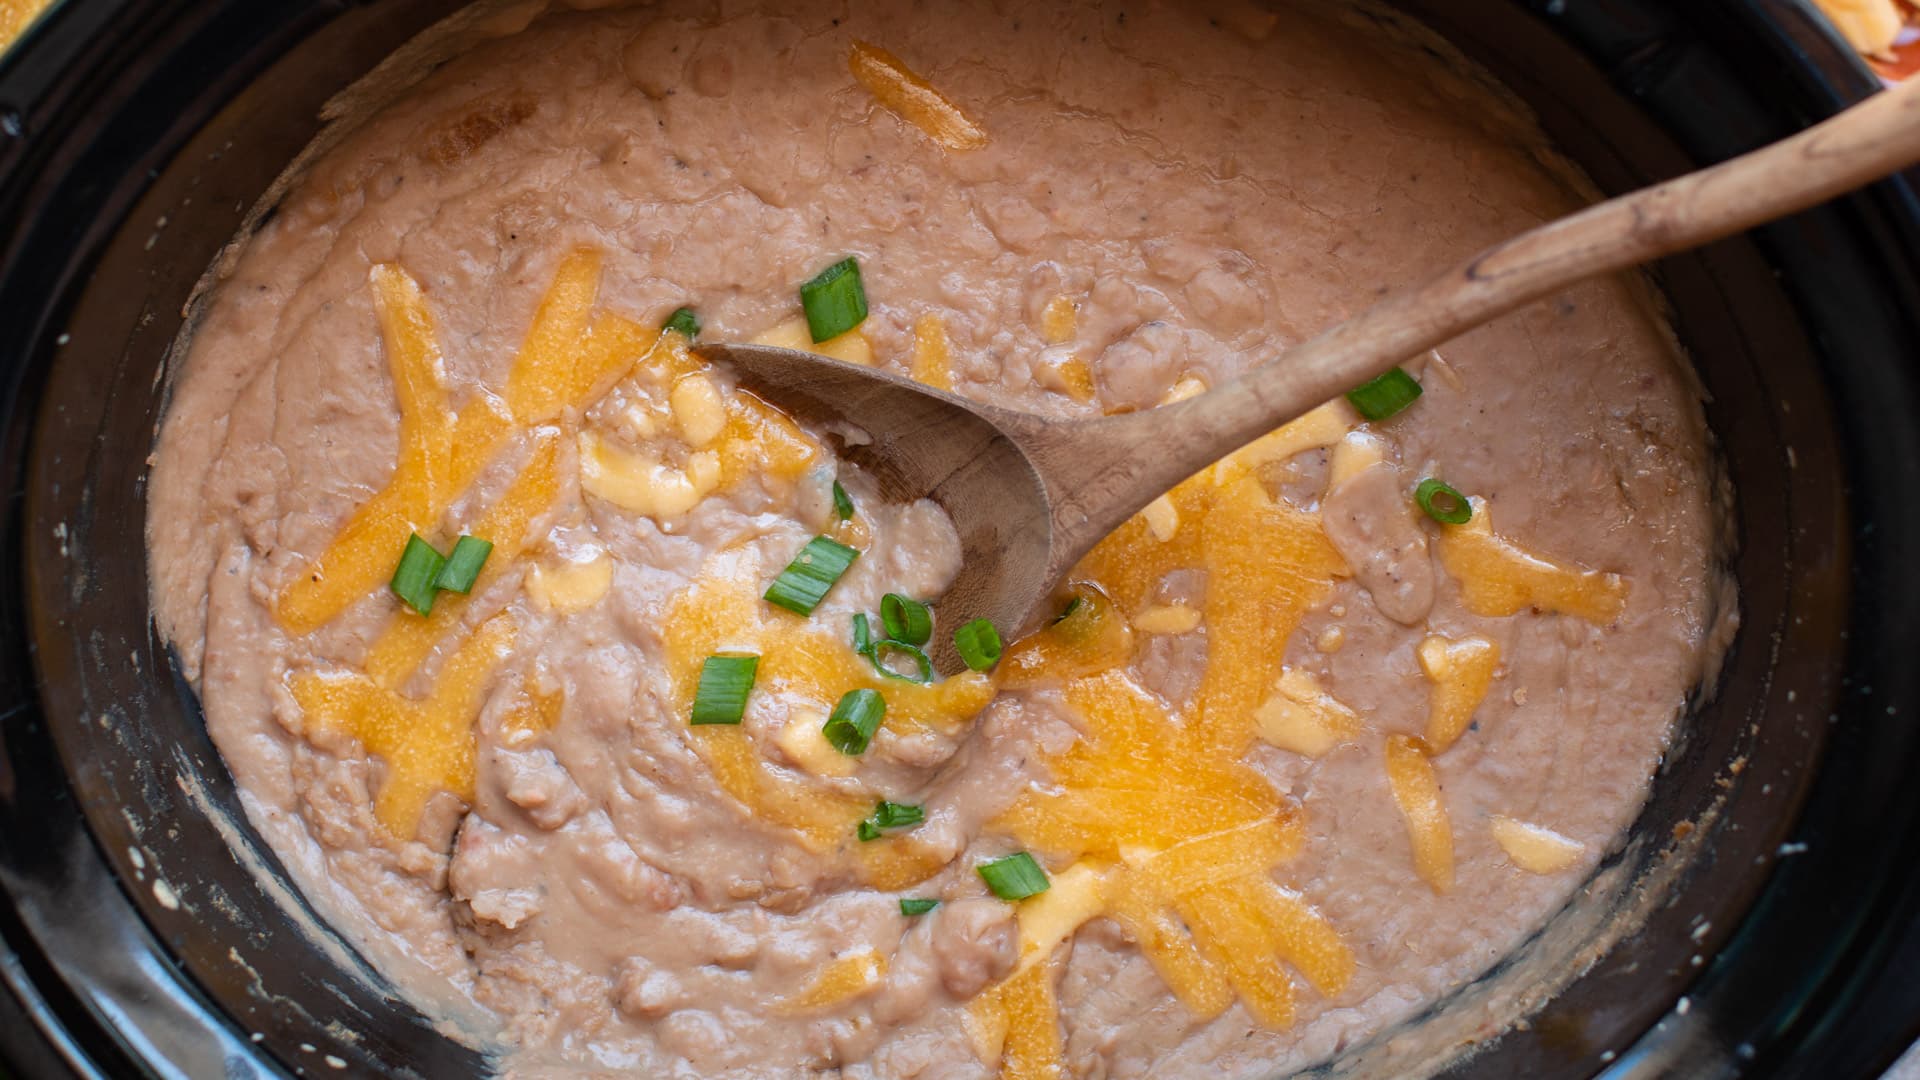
{"x": 1117, "y": 465}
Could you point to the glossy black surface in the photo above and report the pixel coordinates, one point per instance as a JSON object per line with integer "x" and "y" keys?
{"x": 134, "y": 111}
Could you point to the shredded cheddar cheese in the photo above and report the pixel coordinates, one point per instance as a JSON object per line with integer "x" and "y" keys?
{"x": 1303, "y": 717}
{"x": 840, "y": 981}
{"x": 932, "y": 357}
{"x": 1498, "y": 578}
{"x": 1075, "y": 895}
{"x": 561, "y": 362}
{"x": 1534, "y": 848}
{"x": 1461, "y": 671}
{"x": 428, "y": 745}
{"x": 913, "y": 99}
{"x": 409, "y": 639}
{"x": 567, "y": 587}
{"x": 535, "y": 712}
{"x": 723, "y": 612}
{"x": 1166, "y": 619}
{"x": 1069, "y": 375}
{"x": 1416, "y": 788}
{"x": 1059, "y": 320}
{"x": 1197, "y": 833}
{"x": 851, "y": 347}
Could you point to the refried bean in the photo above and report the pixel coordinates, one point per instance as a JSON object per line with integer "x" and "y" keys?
{"x": 1297, "y": 760}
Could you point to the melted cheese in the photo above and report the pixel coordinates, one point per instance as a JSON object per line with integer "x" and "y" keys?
{"x": 564, "y": 358}
{"x": 427, "y": 746}
{"x": 1354, "y": 454}
{"x": 1068, "y": 375}
{"x": 1073, "y": 896}
{"x": 932, "y": 356}
{"x": 723, "y": 612}
{"x": 1322, "y": 427}
{"x": 569, "y": 587}
{"x": 642, "y": 484}
{"x": 1218, "y": 858}
{"x": 1534, "y": 848}
{"x": 1162, "y": 518}
{"x": 1303, "y": 718}
{"x": 1197, "y": 832}
{"x": 409, "y": 639}
{"x": 841, "y": 980}
{"x": 1166, "y": 619}
{"x": 851, "y": 347}
{"x": 1059, "y": 320}
{"x": 1189, "y": 386}
{"x": 913, "y": 99}
{"x": 1017, "y": 1025}
{"x": 698, "y": 408}
{"x": 1199, "y": 983}
{"x": 1461, "y": 671}
{"x": 567, "y": 358}
{"x": 1499, "y": 578}
{"x": 803, "y": 739}
{"x": 533, "y": 714}
{"x": 1416, "y": 789}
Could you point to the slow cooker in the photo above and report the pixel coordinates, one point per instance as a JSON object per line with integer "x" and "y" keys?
{"x": 1763, "y": 917}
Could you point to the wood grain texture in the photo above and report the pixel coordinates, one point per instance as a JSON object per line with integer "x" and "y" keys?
{"x": 1030, "y": 495}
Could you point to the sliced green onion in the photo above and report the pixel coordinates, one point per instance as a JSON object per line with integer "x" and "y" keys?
{"x": 805, "y": 581}
{"x": 854, "y": 720}
{"x": 685, "y": 321}
{"x": 890, "y": 815}
{"x": 1014, "y": 877}
{"x": 907, "y": 621}
{"x": 895, "y": 815}
{"x": 721, "y": 697}
{"x": 1442, "y": 503}
{"x": 1380, "y": 398}
{"x": 463, "y": 566}
{"x": 978, "y": 643}
{"x": 835, "y": 301}
{"x": 1073, "y": 605}
{"x": 911, "y": 906}
{"x": 413, "y": 579}
{"x": 886, "y": 646}
{"x": 842, "y": 502}
{"x": 862, "y": 634}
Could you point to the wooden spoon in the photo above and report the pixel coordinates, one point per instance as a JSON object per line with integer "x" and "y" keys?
{"x": 1031, "y": 495}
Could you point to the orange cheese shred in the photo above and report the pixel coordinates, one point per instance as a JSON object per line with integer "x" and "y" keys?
{"x": 563, "y": 359}
{"x": 1196, "y": 981}
{"x": 1461, "y": 671}
{"x": 408, "y": 638}
{"x": 913, "y": 99}
{"x": 840, "y": 981}
{"x": 1416, "y": 788}
{"x": 1498, "y": 578}
{"x": 932, "y": 356}
{"x": 426, "y": 746}
{"x": 1034, "y": 1048}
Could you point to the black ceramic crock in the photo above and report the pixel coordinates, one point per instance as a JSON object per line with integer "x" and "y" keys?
{"x": 1779, "y": 856}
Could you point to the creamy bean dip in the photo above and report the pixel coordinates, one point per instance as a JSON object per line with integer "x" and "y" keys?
{"x": 580, "y": 688}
